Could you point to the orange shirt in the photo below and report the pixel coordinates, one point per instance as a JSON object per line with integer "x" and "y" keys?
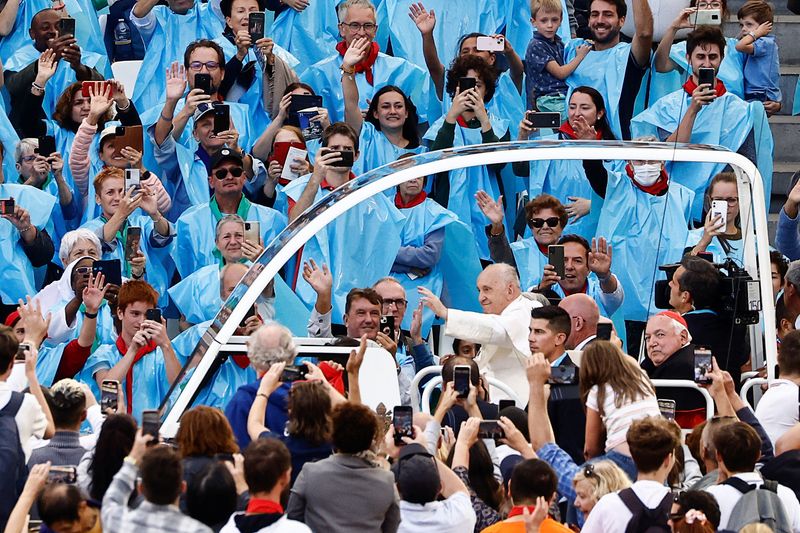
{"x": 548, "y": 526}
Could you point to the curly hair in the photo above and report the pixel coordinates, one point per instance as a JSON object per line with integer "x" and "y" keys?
{"x": 63, "y": 112}
{"x": 204, "y": 431}
{"x": 264, "y": 350}
{"x": 355, "y": 428}
{"x": 463, "y": 64}
{"x": 542, "y": 202}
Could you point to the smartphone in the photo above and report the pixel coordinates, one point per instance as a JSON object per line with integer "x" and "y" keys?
{"x": 461, "y": 380}
{"x": 7, "y": 206}
{"x": 151, "y": 423}
{"x": 707, "y": 76}
{"x": 604, "y": 331}
{"x": 720, "y": 208}
{"x": 294, "y": 373}
{"x": 250, "y": 312}
{"x": 303, "y": 101}
{"x": 111, "y": 269}
{"x": 132, "y": 239}
{"x": 707, "y": 17}
{"x": 563, "y": 375}
{"x": 203, "y": 82}
{"x": 387, "y": 325}
{"x": 311, "y": 129}
{"x": 543, "y": 120}
{"x": 133, "y": 178}
{"x": 491, "y": 44}
{"x": 346, "y": 155}
{"x": 252, "y": 232}
{"x": 66, "y": 26}
{"x": 47, "y": 145}
{"x": 502, "y": 404}
{"x": 255, "y": 25}
{"x": 702, "y": 365}
{"x": 465, "y": 84}
{"x": 403, "y": 423}
{"x": 63, "y": 474}
{"x": 20, "y": 357}
{"x": 490, "y": 429}
{"x": 667, "y": 408}
{"x": 128, "y": 136}
{"x": 100, "y": 87}
{"x": 109, "y": 395}
{"x": 222, "y": 118}
{"x": 555, "y": 258}
{"x": 153, "y": 314}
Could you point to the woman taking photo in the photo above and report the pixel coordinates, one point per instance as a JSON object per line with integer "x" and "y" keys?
{"x": 720, "y": 236}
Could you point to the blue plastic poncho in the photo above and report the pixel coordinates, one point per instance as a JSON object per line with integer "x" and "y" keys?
{"x": 326, "y": 79}
{"x": 15, "y": 268}
{"x": 310, "y": 36}
{"x": 530, "y": 262}
{"x": 377, "y": 150}
{"x": 507, "y": 103}
{"x": 714, "y": 125}
{"x": 168, "y": 42}
{"x": 735, "y": 248}
{"x": 465, "y": 182}
{"x": 194, "y": 246}
{"x": 378, "y": 225}
{"x": 644, "y": 231}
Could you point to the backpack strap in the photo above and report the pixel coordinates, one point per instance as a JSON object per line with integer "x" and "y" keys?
{"x": 739, "y": 484}
{"x": 632, "y": 501}
{"x": 14, "y": 403}
{"x": 770, "y": 485}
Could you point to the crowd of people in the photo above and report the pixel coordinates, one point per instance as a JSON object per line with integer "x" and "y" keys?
{"x": 129, "y": 214}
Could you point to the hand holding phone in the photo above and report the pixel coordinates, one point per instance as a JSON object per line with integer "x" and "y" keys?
{"x": 151, "y": 423}
{"x": 461, "y": 380}
{"x": 555, "y": 258}
{"x": 403, "y": 423}
{"x": 23, "y": 347}
{"x": 719, "y": 208}
{"x": 702, "y": 365}
{"x": 109, "y": 396}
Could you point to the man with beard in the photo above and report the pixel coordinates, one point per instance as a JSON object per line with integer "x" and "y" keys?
{"x": 613, "y": 67}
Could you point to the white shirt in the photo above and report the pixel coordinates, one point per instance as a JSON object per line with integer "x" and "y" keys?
{"x": 31, "y": 420}
{"x": 581, "y": 345}
{"x": 453, "y": 514}
{"x": 617, "y": 420}
{"x": 778, "y": 408}
{"x": 503, "y": 339}
{"x": 611, "y": 515}
{"x": 727, "y": 497}
{"x": 283, "y": 525}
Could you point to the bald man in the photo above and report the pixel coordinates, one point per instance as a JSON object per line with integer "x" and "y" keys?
{"x": 502, "y": 330}
{"x": 585, "y": 315}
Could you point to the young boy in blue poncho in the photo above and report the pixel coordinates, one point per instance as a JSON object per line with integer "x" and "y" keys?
{"x": 762, "y": 72}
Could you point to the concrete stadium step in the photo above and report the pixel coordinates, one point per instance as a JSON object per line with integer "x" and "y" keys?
{"x": 778, "y": 5}
{"x": 786, "y": 132}
{"x": 789, "y": 74}
{"x": 781, "y": 177}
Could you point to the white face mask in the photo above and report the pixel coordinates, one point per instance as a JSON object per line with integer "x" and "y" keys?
{"x": 647, "y": 175}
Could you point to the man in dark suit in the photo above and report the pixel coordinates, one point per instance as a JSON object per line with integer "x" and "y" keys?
{"x": 584, "y": 316}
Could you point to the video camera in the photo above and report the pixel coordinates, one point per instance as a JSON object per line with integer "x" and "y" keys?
{"x": 740, "y": 294}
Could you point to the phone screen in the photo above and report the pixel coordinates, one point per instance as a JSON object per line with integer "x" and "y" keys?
{"x": 109, "y": 395}
{"x": 222, "y": 118}
{"x": 555, "y": 257}
{"x": 706, "y": 76}
{"x": 461, "y": 379}
{"x": 563, "y": 375}
{"x": 490, "y": 429}
{"x": 7, "y": 206}
{"x": 702, "y": 365}
{"x": 23, "y": 347}
{"x": 151, "y": 423}
{"x": 387, "y": 325}
{"x": 294, "y": 373}
{"x": 403, "y": 422}
{"x": 667, "y": 408}
{"x": 47, "y": 145}
{"x": 255, "y": 25}
{"x": 505, "y": 403}
{"x": 604, "y": 331}
{"x": 132, "y": 239}
{"x": 203, "y": 82}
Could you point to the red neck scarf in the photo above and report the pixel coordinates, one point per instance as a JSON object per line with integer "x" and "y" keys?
{"x": 365, "y": 65}
{"x": 566, "y": 129}
{"x": 123, "y": 349}
{"x": 690, "y": 86}
{"x": 581, "y": 291}
{"x": 656, "y": 189}
{"x": 544, "y": 248}
{"x": 519, "y": 510}
{"x": 258, "y": 506}
{"x": 418, "y": 199}
{"x": 461, "y": 122}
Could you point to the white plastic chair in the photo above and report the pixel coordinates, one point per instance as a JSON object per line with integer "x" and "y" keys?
{"x": 749, "y": 384}
{"x": 127, "y": 72}
{"x": 427, "y": 371}
{"x": 437, "y": 380}
{"x": 687, "y": 384}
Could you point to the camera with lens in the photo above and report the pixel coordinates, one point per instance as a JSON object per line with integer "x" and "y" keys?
{"x": 739, "y": 293}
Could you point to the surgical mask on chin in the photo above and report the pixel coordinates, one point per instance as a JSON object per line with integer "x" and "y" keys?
{"x": 647, "y": 175}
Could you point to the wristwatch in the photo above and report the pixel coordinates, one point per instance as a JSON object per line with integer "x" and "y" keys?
{"x": 753, "y": 35}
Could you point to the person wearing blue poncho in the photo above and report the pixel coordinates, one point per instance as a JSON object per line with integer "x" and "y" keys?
{"x": 390, "y": 126}
{"x": 167, "y": 31}
{"x": 467, "y": 123}
{"x": 375, "y": 70}
{"x": 509, "y": 102}
{"x": 645, "y": 220}
{"x": 186, "y": 171}
{"x": 24, "y": 241}
{"x": 148, "y": 255}
{"x": 376, "y": 222}
{"x": 614, "y": 68}
{"x": 22, "y": 67}
{"x": 195, "y": 244}
{"x": 722, "y": 240}
{"x": 236, "y": 370}
{"x": 142, "y": 359}
{"x": 306, "y": 29}
{"x": 702, "y": 114}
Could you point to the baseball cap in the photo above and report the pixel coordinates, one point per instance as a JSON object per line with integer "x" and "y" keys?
{"x": 225, "y": 154}
{"x": 202, "y": 110}
{"x": 416, "y": 475}
{"x": 110, "y": 131}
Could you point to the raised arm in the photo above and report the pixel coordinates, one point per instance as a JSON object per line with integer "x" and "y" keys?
{"x": 176, "y": 85}
{"x": 426, "y": 21}
{"x": 355, "y": 53}
{"x": 539, "y": 427}
{"x": 269, "y": 383}
{"x": 562, "y": 72}
{"x": 321, "y": 167}
{"x": 702, "y": 96}
{"x": 143, "y": 7}
{"x": 663, "y": 63}
{"x": 643, "y": 38}
{"x": 8, "y": 16}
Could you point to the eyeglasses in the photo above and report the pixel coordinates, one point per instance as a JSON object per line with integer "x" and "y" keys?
{"x": 709, "y": 5}
{"x": 730, "y": 201}
{"x": 222, "y": 173}
{"x": 398, "y": 302}
{"x": 198, "y": 65}
{"x": 550, "y": 221}
{"x": 83, "y": 270}
{"x": 355, "y": 26}
{"x": 28, "y": 158}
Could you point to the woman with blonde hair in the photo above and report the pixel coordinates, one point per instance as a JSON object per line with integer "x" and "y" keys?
{"x": 615, "y": 391}
{"x": 595, "y": 480}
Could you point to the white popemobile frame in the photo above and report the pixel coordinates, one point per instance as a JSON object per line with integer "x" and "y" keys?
{"x": 291, "y": 239}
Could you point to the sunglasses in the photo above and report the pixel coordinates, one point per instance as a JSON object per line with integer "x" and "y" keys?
{"x": 83, "y": 271}
{"x": 539, "y": 222}
{"x": 222, "y": 173}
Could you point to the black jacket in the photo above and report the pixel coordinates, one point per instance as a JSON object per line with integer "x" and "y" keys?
{"x": 679, "y": 365}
